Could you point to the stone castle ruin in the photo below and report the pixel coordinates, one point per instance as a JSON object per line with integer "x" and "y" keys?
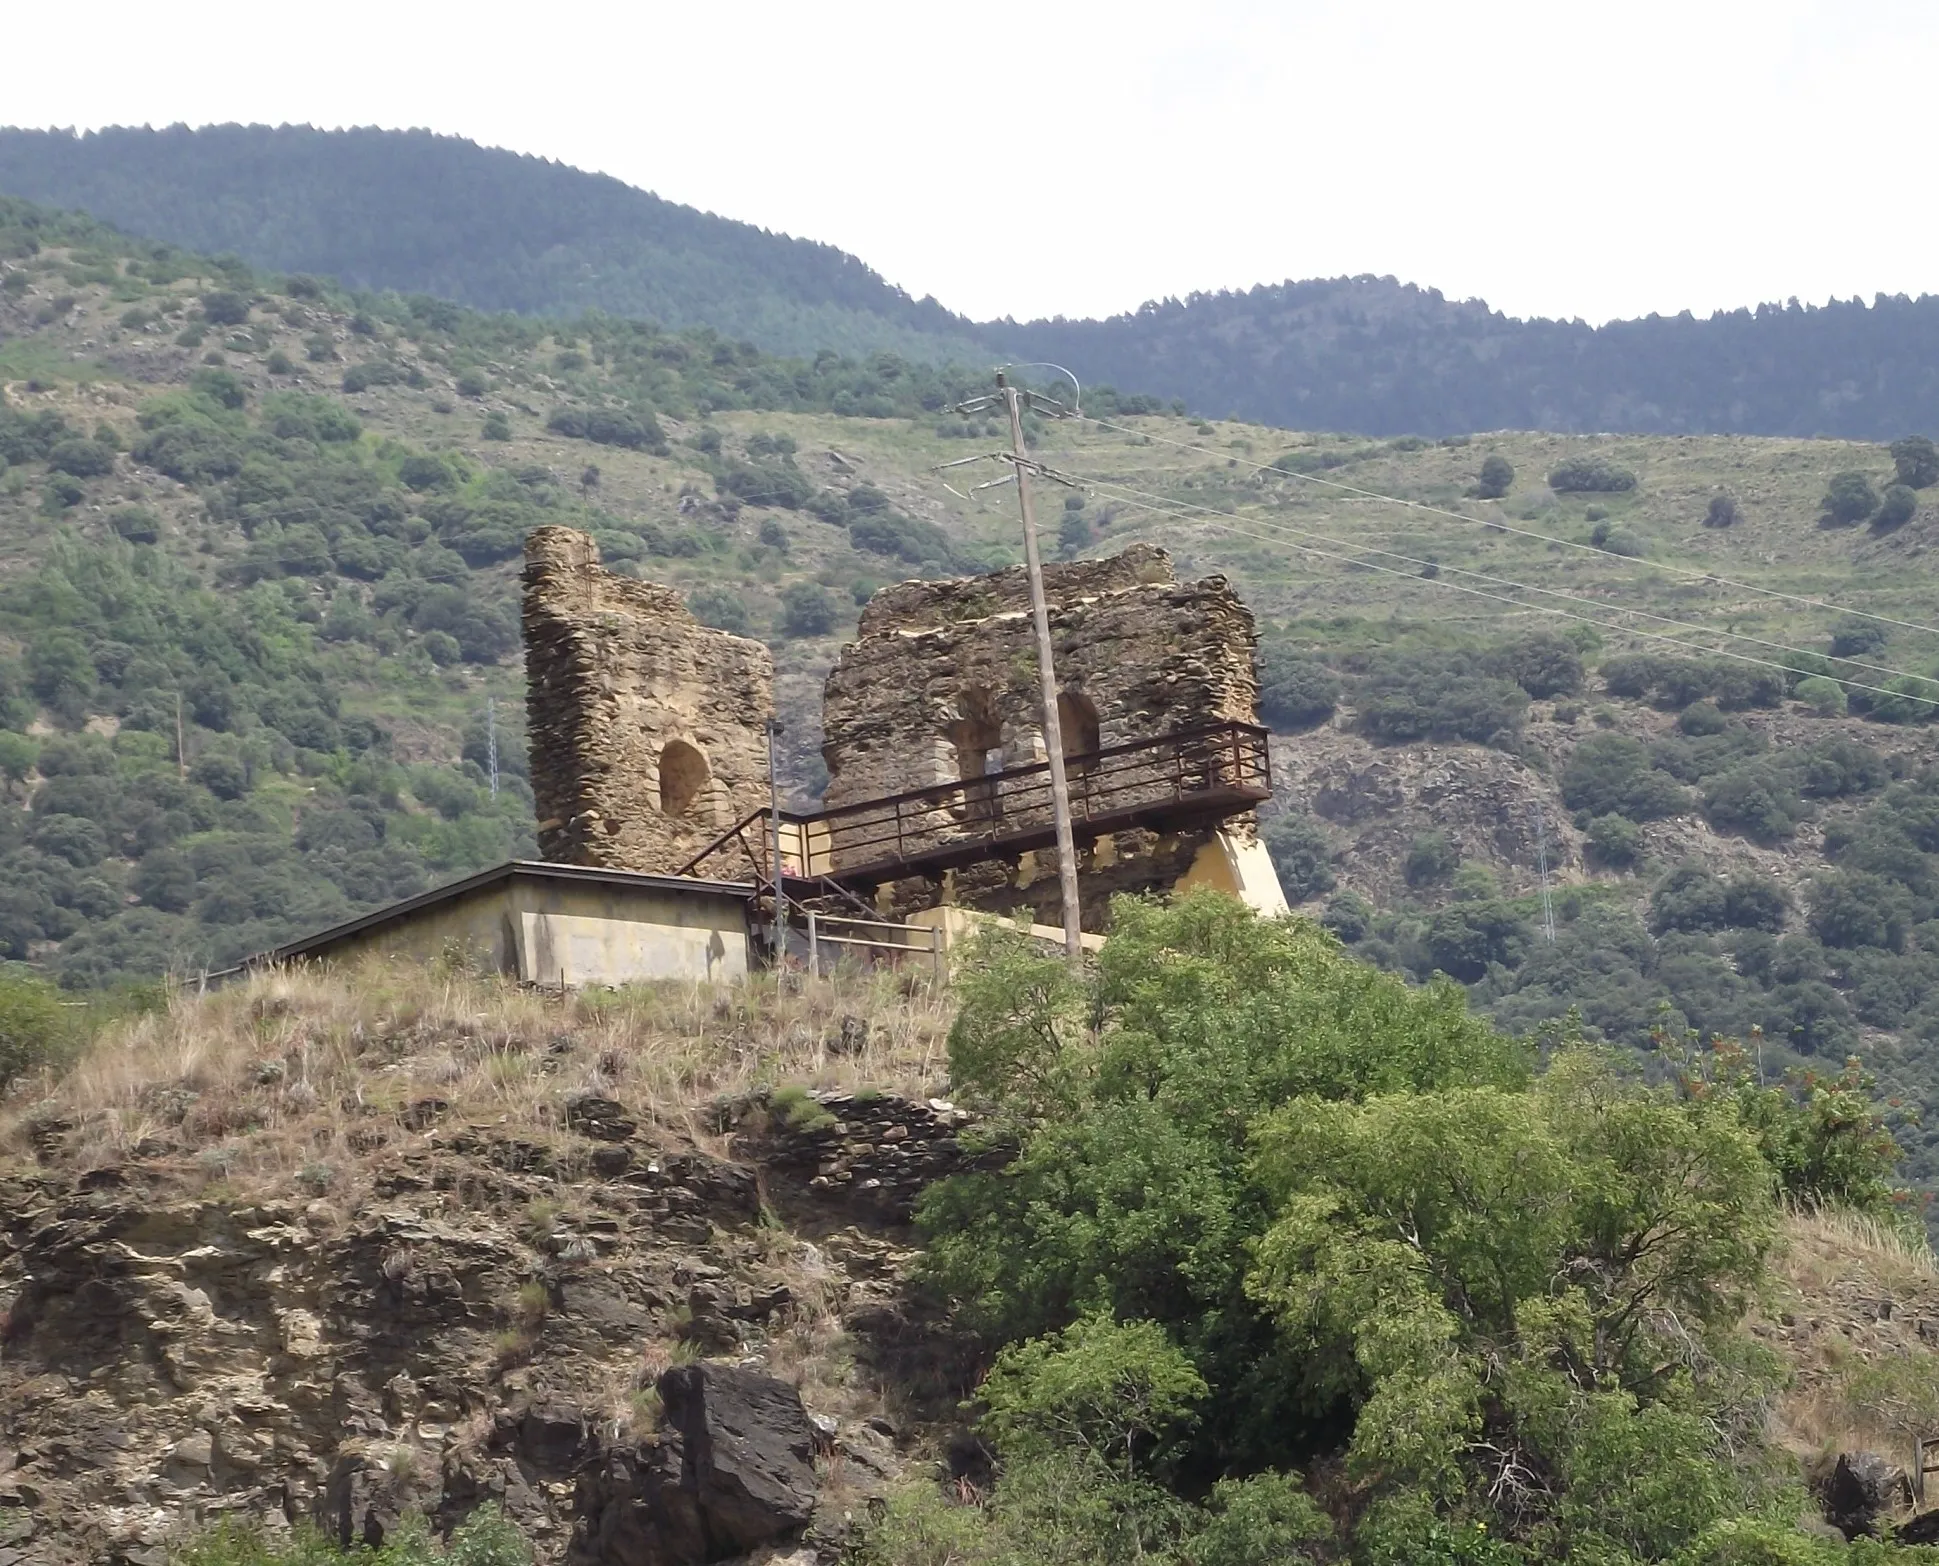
{"x": 648, "y": 729}
{"x": 648, "y": 737}
{"x": 940, "y": 688}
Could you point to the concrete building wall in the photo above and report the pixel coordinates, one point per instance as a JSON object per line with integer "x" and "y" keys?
{"x": 578, "y": 933}
{"x": 647, "y": 728}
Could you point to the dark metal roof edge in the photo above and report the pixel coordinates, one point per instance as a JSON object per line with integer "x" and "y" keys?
{"x": 511, "y": 870}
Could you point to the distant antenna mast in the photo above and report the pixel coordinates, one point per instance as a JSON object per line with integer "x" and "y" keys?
{"x": 1542, "y": 862}
{"x": 491, "y": 743}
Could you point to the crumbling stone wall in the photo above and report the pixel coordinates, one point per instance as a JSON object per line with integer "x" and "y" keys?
{"x": 941, "y": 685}
{"x": 647, "y": 728}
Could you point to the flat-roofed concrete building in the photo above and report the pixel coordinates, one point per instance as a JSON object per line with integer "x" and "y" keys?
{"x": 570, "y": 925}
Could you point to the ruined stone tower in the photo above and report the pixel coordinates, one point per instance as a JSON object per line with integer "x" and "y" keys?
{"x": 940, "y": 686}
{"x": 647, "y": 727}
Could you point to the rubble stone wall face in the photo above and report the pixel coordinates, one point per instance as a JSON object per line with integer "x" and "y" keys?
{"x": 941, "y": 685}
{"x": 647, "y": 728}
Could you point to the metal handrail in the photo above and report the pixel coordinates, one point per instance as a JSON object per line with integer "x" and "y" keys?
{"x": 1227, "y": 765}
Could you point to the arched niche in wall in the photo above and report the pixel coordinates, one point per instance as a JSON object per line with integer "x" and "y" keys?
{"x": 684, "y": 781}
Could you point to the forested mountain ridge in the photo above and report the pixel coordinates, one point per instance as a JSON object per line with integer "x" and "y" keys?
{"x": 496, "y": 230}
{"x": 419, "y": 213}
{"x": 1382, "y": 358}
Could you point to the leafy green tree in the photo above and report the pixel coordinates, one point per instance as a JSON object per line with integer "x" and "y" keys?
{"x": 1115, "y": 1391}
{"x": 1131, "y": 1191}
{"x": 1895, "y": 508}
{"x": 1850, "y": 908}
{"x": 1857, "y": 637}
{"x": 1302, "y": 855}
{"x": 1723, "y": 511}
{"x": 424, "y": 472}
{"x": 1824, "y": 697}
{"x": 1611, "y": 774}
{"x": 1349, "y": 916}
{"x": 1541, "y": 663}
{"x": 166, "y": 880}
{"x": 1825, "y": 1136}
{"x": 1849, "y": 500}
{"x": 808, "y": 609}
{"x": 1468, "y": 938}
{"x": 1908, "y": 699}
{"x": 1431, "y": 858}
{"x": 1296, "y": 691}
{"x": 1590, "y": 475}
{"x": 18, "y": 754}
{"x": 225, "y": 307}
{"x": 1690, "y": 897}
{"x": 1496, "y": 479}
{"x": 83, "y": 459}
{"x": 723, "y": 610}
{"x": 35, "y": 1029}
{"x": 60, "y": 672}
{"x": 1754, "y": 902}
{"x": 1404, "y": 696}
{"x": 1701, "y": 718}
{"x": 1616, "y": 841}
{"x": 1430, "y": 1235}
{"x": 1761, "y": 800}
{"x": 1916, "y": 461}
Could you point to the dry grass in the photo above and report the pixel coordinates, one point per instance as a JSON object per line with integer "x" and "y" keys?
{"x": 1849, "y": 1296}
{"x": 296, "y": 1079}
{"x": 1825, "y": 1245}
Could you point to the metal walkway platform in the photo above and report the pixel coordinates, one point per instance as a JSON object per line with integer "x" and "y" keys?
{"x": 1173, "y": 782}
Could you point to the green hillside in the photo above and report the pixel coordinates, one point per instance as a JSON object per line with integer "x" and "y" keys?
{"x": 292, "y": 516}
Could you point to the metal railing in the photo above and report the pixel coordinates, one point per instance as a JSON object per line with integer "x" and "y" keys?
{"x": 841, "y": 934}
{"x": 1205, "y": 773}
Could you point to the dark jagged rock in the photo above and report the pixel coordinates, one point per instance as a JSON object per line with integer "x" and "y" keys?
{"x": 732, "y": 1470}
{"x": 602, "y": 1119}
{"x": 1922, "y": 1529}
{"x": 1861, "y": 1488}
{"x": 362, "y": 1502}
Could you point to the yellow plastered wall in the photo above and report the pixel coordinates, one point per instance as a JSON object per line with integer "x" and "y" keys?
{"x": 1240, "y": 868}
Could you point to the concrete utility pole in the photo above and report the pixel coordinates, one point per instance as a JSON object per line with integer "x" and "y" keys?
{"x": 1053, "y": 726}
{"x": 780, "y": 870}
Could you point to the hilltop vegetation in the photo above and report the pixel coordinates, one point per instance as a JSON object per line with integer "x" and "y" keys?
{"x": 1293, "y": 1264}
{"x": 418, "y": 213}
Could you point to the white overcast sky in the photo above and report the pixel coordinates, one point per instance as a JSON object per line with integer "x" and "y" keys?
{"x": 1555, "y": 157}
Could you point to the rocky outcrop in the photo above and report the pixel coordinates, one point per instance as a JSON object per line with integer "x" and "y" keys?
{"x": 1861, "y": 1490}
{"x": 874, "y": 1154}
{"x": 731, "y": 1469}
{"x": 472, "y": 1327}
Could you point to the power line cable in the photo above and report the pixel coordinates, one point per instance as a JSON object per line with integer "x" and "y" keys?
{"x": 1167, "y": 507}
{"x": 1521, "y": 532}
{"x": 1547, "y": 592}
